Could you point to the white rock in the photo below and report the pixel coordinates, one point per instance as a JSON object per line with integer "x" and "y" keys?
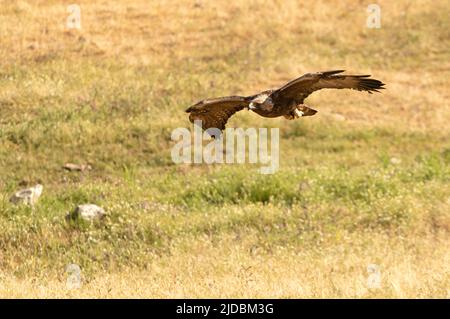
{"x": 27, "y": 196}
{"x": 395, "y": 160}
{"x": 89, "y": 212}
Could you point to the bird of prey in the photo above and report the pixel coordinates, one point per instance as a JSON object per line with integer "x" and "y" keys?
{"x": 285, "y": 101}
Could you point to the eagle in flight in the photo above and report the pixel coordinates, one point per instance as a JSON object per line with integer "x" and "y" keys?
{"x": 285, "y": 101}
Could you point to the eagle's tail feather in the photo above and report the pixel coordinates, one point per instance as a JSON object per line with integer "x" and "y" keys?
{"x": 306, "y": 110}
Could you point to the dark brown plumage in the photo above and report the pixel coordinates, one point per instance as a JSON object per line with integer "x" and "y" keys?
{"x": 216, "y": 112}
{"x": 286, "y": 101}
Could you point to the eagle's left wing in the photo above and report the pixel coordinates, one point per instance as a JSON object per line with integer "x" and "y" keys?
{"x": 303, "y": 86}
{"x": 216, "y": 112}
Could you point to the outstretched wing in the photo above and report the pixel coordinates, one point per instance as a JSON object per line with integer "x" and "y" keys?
{"x": 303, "y": 86}
{"x": 216, "y": 112}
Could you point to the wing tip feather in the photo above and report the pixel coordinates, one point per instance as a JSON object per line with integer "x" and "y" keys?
{"x": 370, "y": 85}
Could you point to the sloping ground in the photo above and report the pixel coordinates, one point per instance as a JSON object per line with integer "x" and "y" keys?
{"x": 365, "y": 181}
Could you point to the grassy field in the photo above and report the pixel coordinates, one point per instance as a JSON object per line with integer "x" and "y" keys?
{"x": 365, "y": 181}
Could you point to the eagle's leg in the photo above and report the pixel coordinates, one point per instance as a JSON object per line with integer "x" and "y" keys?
{"x": 299, "y": 111}
{"x": 294, "y": 113}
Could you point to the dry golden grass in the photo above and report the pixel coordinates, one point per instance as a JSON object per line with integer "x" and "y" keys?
{"x": 409, "y": 270}
{"x": 110, "y": 94}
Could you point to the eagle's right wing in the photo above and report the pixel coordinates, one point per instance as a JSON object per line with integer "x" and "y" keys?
{"x": 214, "y": 113}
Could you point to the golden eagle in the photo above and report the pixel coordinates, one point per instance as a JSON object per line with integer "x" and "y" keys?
{"x": 286, "y": 101}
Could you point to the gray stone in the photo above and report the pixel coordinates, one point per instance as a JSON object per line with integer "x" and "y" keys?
{"x": 88, "y": 212}
{"x": 27, "y": 196}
